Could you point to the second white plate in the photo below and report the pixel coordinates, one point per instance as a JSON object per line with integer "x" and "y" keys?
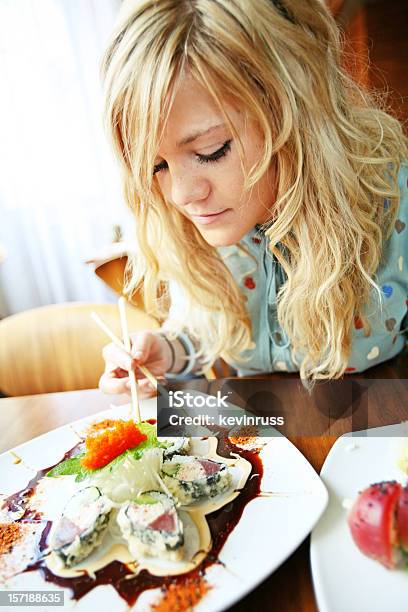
{"x": 344, "y": 579}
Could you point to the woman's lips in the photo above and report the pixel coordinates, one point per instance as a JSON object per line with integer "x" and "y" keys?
{"x": 207, "y": 219}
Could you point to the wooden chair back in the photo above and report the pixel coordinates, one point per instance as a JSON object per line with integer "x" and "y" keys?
{"x": 58, "y": 347}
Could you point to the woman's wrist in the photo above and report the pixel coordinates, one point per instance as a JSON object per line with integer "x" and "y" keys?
{"x": 181, "y": 357}
{"x": 176, "y": 353}
{"x": 171, "y": 353}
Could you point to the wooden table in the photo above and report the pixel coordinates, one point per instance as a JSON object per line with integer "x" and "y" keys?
{"x": 289, "y": 589}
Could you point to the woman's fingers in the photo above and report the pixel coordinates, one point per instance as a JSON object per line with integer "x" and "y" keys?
{"x": 112, "y": 354}
{"x": 147, "y": 348}
{"x": 141, "y": 345}
{"x": 144, "y": 350}
{"x": 110, "y": 383}
{"x": 144, "y": 387}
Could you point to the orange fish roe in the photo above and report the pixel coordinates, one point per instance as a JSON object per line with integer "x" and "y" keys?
{"x": 182, "y": 597}
{"x": 106, "y": 443}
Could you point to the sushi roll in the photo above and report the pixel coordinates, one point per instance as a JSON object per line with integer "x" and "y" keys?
{"x": 189, "y": 478}
{"x": 81, "y": 526}
{"x": 151, "y": 526}
{"x": 177, "y": 446}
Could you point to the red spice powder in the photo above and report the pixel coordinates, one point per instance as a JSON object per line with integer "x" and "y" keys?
{"x": 245, "y": 435}
{"x": 10, "y": 533}
{"x": 109, "y": 439}
{"x": 182, "y": 597}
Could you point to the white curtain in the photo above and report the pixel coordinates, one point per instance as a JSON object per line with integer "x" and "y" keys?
{"x": 59, "y": 188}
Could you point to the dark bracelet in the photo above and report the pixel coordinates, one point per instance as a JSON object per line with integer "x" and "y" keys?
{"x": 173, "y": 352}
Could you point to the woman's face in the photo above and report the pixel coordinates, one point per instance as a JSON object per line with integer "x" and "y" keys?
{"x": 198, "y": 168}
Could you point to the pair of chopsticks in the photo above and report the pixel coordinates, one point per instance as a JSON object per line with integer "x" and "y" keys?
{"x": 126, "y": 346}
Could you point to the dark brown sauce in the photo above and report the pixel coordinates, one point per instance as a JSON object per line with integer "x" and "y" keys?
{"x": 42, "y": 545}
{"x": 18, "y": 501}
{"x": 221, "y": 523}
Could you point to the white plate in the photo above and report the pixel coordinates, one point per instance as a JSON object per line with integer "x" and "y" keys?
{"x": 344, "y": 579}
{"x": 270, "y": 529}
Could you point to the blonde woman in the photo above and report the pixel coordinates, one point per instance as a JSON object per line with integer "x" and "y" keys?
{"x": 269, "y": 191}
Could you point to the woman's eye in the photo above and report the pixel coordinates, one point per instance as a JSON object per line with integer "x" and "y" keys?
{"x": 158, "y": 167}
{"x": 202, "y": 159}
{"x": 213, "y": 157}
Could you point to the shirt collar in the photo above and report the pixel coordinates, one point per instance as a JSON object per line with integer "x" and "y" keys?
{"x": 255, "y": 240}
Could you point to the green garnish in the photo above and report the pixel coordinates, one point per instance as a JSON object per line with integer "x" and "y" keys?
{"x": 73, "y": 466}
{"x": 145, "y": 498}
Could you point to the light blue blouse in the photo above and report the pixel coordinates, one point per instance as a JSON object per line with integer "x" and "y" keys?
{"x": 259, "y": 275}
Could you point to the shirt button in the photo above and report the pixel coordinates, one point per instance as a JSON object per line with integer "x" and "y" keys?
{"x": 277, "y": 338}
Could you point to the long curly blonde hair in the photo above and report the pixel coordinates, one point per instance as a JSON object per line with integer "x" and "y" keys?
{"x": 337, "y": 154}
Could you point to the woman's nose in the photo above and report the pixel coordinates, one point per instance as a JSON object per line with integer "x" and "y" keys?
{"x": 188, "y": 189}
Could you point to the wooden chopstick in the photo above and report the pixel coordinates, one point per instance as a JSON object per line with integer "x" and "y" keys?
{"x": 128, "y": 346}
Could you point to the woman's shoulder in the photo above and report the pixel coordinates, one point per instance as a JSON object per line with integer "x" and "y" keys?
{"x": 395, "y": 255}
{"x": 403, "y": 177}
{"x": 387, "y": 316}
{"x": 392, "y": 273}
{"x": 402, "y": 184}
{"x": 401, "y": 222}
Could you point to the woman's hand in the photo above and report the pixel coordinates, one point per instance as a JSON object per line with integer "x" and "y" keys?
{"x": 148, "y": 349}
